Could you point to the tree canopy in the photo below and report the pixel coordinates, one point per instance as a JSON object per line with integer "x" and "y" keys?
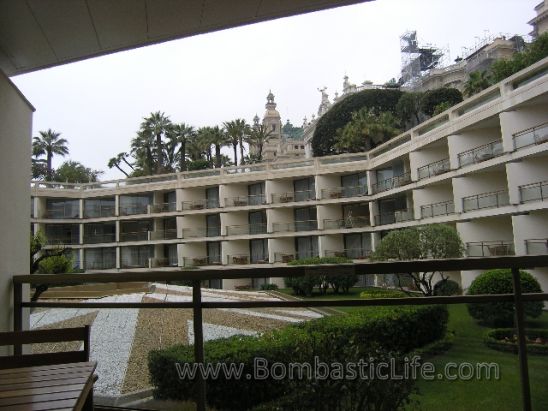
{"x": 75, "y": 172}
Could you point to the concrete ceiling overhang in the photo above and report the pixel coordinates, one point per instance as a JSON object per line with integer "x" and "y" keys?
{"x": 36, "y": 34}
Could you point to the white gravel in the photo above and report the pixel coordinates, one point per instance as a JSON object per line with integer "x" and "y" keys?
{"x": 213, "y": 331}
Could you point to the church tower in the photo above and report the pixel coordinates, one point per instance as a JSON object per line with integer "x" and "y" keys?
{"x": 273, "y": 123}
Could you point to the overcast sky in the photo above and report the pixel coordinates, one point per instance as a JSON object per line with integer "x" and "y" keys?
{"x": 99, "y": 103}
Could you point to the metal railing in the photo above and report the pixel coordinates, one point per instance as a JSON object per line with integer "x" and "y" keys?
{"x": 98, "y": 264}
{"x": 366, "y": 268}
{"x": 438, "y": 209}
{"x": 485, "y": 200}
{"x": 135, "y": 209}
{"x": 305, "y": 225}
{"x": 533, "y": 192}
{"x": 164, "y": 207}
{"x": 63, "y": 240}
{"x": 162, "y": 262}
{"x": 243, "y": 229}
{"x": 134, "y": 236}
{"x": 344, "y": 192}
{"x": 200, "y": 204}
{"x": 489, "y": 248}
{"x": 434, "y": 169}
{"x": 99, "y": 211}
{"x": 169, "y": 234}
{"x": 393, "y": 182}
{"x": 100, "y": 238}
{"x": 284, "y": 257}
{"x": 349, "y": 222}
{"x": 60, "y": 213}
{"x": 242, "y": 201}
{"x": 536, "y": 246}
{"x": 292, "y": 196}
{"x": 201, "y": 232}
{"x": 481, "y": 153}
{"x": 531, "y": 136}
{"x": 238, "y": 259}
{"x": 353, "y": 253}
{"x": 201, "y": 261}
{"x": 396, "y": 216}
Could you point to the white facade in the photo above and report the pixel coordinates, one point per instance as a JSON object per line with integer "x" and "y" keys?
{"x": 480, "y": 167}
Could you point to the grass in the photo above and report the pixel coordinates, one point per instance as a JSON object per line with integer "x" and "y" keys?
{"x": 501, "y": 395}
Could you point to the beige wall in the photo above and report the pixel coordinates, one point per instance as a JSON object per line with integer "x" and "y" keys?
{"x": 15, "y": 139}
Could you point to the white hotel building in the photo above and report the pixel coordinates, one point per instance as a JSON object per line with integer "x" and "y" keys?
{"x": 481, "y": 166}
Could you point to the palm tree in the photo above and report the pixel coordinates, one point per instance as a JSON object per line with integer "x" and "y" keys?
{"x": 477, "y": 81}
{"x": 204, "y": 141}
{"x": 142, "y": 147}
{"x": 48, "y": 143}
{"x": 218, "y": 138}
{"x": 158, "y": 125}
{"x": 260, "y": 134}
{"x": 115, "y": 162}
{"x": 182, "y": 134}
{"x": 236, "y": 131}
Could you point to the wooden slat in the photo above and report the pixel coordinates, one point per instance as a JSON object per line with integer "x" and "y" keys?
{"x": 42, "y": 359}
{"x": 51, "y": 367}
{"x": 8, "y": 390}
{"x": 43, "y": 336}
{"x": 47, "y": 377}
{"x": 4, "y": 402}
{"x": 44, "y": 372}
{"x": 45, "y": 405}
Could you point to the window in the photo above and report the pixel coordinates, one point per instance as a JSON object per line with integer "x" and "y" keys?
{"x": 213, "y": 252}
{"x": 99, "y": 233}
{"x": 135, "y": 230}
{"x": 305, "y": 219}
{"x": 170, "y": 200}
{"x": 256, "y": 193}
{"x": 212, "y": 197}
{"x": 306, "y": 247}
{"x": 135, "y": 204}
{"x": 354, "y": 184}
{"x": 63, "y": 233}
{"x": 357, "y": 245}
{"x": 100, "y": 258}
{"x": 213, "y": 225}
{"x": 136, "y": 256}
{"x": 170, "y": 252}
{"x": 61, "y": 208}
{"x": 258, "y": 249}
{"x": 99, "y": 207}
{"x": 257, "y": 222}
{"x": 304, "y": 189}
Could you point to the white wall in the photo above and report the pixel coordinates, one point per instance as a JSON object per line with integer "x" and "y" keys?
{"x": 332, "y": 242}
{"x": 431, "y": 195}
{"x": 512, "y": 122}
{"x": 427, "y": 155}
{"x": 15, "y": 152}
{"x": 458, "y": 143}
{"x": 328, "y": 212}
{"x": 478, "y": 183}
{"x": 529, "y": 170}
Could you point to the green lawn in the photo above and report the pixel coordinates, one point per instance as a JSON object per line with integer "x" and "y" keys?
{"x": 482, "y": 395}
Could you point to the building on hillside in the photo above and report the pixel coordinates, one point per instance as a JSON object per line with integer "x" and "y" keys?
{"x": 479, "y": 167}
{"x": 540, "y": 21}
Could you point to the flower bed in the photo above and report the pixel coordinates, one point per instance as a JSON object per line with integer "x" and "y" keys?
{"x": 505, "y": 339}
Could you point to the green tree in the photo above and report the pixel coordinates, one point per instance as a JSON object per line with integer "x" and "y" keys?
{"x": 180, "y": 134}
{"x": 49, "y": 143}
{"x": 142, "y": 149}
{"x": 409, "y": 108}
{"x": 75, "y": 172}
{"x": 117, "y": 160}
{"x": 432, "y": 241}
{"x": 157, "y": 124}
{"x": 365, "y": 131}
{"x": 258, "y": 137}
{"x": 204, "y": 141}
{"x": 236, "y": 131}
{"x": 433, "y": 98}
{"x": 217, "y": 137}
{"x": 477, "y": 81}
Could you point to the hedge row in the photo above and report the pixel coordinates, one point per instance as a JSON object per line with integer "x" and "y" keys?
{"x": 378, "y": 333}
{"x": 502, "y": 339}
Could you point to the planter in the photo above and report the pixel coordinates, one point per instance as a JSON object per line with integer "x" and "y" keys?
{"x": 287, "y": 258}
{"x": 505, "y": 339}
{"x": 240, "y": 260}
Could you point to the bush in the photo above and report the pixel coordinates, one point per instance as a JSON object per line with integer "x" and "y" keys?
{"x": 382, "y": 293}
{"x": 56, "y": 264}
{"x": 505, "y": 339}
{"x": 379, "y": 334}
{"x": 266, "y": 287}
{"x": 447, "y": 287}
{"x": 501, "y": 314}
{"x": 433, "y": 98}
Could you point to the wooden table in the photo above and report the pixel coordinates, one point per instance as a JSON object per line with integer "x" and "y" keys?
{"x": 48, "y": 387}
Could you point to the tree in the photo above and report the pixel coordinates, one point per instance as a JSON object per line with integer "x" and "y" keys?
{"x": 157, "y": 124}
{"x": 204, "y": 141}
{"x": 365, "y": 131}
{"x": 432, "y": 98}
{"x": 236, "y": 131}
{"x": 75, "y": 172}
{"x": 431, "y": 241}
{"x": 49, "y": 144}
{"x": 142, "y": 147}
{"x": 180, "y": 134}
{"x": 259, "y": 136}
{"x": 117, "y": 160}
{"x": 477, "y": 81}
{"x": 409, "y": 108}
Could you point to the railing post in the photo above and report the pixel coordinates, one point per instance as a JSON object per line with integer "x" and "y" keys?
{"x": 522, "y": 347}
{"x": 198, "y": 343}
{"x": 17, "y": 314}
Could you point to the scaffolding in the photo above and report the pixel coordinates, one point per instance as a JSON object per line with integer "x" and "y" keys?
{"x": 417, "y": 59}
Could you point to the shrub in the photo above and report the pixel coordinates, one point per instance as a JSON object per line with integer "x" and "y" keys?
{"x": 500, "y": 282}
{"x": 433, "y": 98}
{"x": 382, "y": 293}
{"x": 379, "y": 334}
{"x": 267, "y": 287}
{"x": 56, "y": 264}
{"x": 505, "y": 339}
{"x": 447, "y": 287}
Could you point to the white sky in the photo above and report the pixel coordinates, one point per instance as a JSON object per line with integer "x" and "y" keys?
{"x": 99, "y": 103}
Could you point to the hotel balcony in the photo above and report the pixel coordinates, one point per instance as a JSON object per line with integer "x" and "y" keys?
{"x": 438, "y": 209}
{"x": 284, "y": 257}
{"x": 349, "y": 222}
{"x": 482, "y": 153}
{"x": 489, "y": 248}
{"x": 536, "y": 246}
{"x": 135, "y": 209}
{"x": 246, "y": 229}
{"x": 344, "y": 192}
{"x": 393, "y": 182}
{"x": 242, "y": 201}
{"x": 99, "y": 211}
{"x": 533, "y": 192}
{"x": 134, "y": 236}
{"x": 531, "y": 136}
{"x": 307, "y": 225}
{"x": 169, "y": 234}
{"x": 105, "y": 264}
{"x": 485, "y": 200}
{"x": 434, "y": 169}
{"x": 99, "y": 238}
{"x": 163, "y": 207}
{"x": 201, "y": 232}
{"x": 244, "y": 259}
{"x": 353, "y": 253}
{"x": 397, "y": 216}
{"x": 162, "y": 262}
{"x": 201, "y": 261}
{"x": 200, "y": 204}
{"x": 292, "y": 196}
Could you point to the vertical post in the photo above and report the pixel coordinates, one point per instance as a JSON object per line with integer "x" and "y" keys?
{"x": 522, "y": 347}
{"x": 198, "y": 342}
{"x": 17, "y": 314}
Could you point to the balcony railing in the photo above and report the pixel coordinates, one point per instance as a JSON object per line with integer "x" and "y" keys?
{"x": 533, "y": 192}
{"x": 99, "y": 238}
{"x": 353, "y": 253}
{"x": 489, "y": 248}
{"x": 349, "y": 222}
{"x": 391, "y": 183}
{"x": 344, "y": 192}
{"x": 162, "y": 262}
{"x": 485, "y": 200}
{"x": 306, "y": 225}
{"x": 434, "y": 169}
{"x": 164, "y": 207}
{"x": 242, "y": 201}
{"x": 292, "y": 196}
{"x": 244, "y": 229}
{"x": 238, "y": 259}
{"x": 106, "y": 264}
{"x": 482, "y": 153}
{"x": 169, "y": 234}
{"x": 134, "y": 209}
{"x": 397, "y": 216}
{"x": 63, "y": 240}
{"x": 437, "y": 209}
{"x": 536, "y": 246}
{"x": 200, "y": 204}
{"x": 284, "y": 257}
{"x": 60, "y": 213}
{"x": 200, "y": 261}
{"x": 99, "y": 211}
{"x": 135, "y": 236}
{"x": 201, "y": 232}
{"x": 531, "y": 136}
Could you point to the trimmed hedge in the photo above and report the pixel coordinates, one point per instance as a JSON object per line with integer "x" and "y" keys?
{"x": 447, "y": 287}
{"x": 502, "y": 339}
{"x": 380, "y": 333}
